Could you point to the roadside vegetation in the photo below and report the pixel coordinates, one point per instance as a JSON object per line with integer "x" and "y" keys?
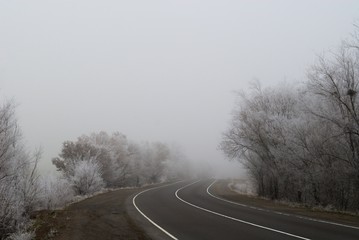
{"x": 300, "y": 143}
{"x": 88, "y": 165}
{"x": 101, "y": 160}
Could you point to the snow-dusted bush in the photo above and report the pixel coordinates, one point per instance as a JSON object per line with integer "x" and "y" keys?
{"x": 56, "y": 192}
{"x": 86, "y": 178}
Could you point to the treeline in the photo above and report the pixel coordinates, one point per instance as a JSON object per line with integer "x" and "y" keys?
{"x": 301, "y": 143}
{"x": 101, "y": 160}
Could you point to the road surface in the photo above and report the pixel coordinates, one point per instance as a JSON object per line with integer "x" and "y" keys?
{"x": 189, "y": 210}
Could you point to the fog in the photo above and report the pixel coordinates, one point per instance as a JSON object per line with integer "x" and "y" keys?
{"x": 154, "y": 70}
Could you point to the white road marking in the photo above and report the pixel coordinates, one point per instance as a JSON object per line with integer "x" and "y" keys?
{"x": 232, "y": 218}
{"x": 279, "y": 213}
{"x": 150, "y": 220}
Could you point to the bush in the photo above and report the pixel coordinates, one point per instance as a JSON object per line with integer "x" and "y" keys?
{"x": 86, "y": 178}
{"x": 56, "y": 192}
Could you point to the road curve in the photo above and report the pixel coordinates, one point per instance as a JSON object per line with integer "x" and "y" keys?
{"x": 187, "y": 210}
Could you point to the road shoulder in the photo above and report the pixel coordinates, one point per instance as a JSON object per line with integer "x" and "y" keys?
{"x": 103, "y": 216}
{"x": 221, "y": 189}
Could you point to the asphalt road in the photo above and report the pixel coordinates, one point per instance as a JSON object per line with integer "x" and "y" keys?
{"x": 188, "y": 210}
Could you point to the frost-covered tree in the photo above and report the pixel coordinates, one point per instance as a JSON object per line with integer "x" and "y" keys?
{"x": 110, "y": 151}
{"x": 160, "y": 162}
{"x": 18, "y": 177}
{"x": 257, "y": 135}
{"x": 123, "y": 163}
{"x": 333, "y": 84}
{"x": 115, "y": 156}
{"x": 157, "y": 156}
{"x": 147, "y": 163}
{"x": 302, "y": 143}
{"x": 71, "y": 153}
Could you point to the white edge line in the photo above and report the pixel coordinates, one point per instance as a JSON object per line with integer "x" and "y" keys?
{"x": 235, "y": 219}
{"x": 276, "y": 212}
{"x": 144, "y": 215}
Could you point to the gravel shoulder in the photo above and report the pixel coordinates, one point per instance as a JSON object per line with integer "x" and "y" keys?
{"x": 221, "y": 189}
{"x": 101, "y": 217}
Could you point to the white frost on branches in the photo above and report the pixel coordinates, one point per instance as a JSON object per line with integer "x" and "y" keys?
{"x": 18, "y": 176}
{"x": 302, "y": 144}
{"x": 55, "y": 192}
{"x": 87, "y": 177}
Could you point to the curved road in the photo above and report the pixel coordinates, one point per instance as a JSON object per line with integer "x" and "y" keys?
{"x": 188, "y": 210}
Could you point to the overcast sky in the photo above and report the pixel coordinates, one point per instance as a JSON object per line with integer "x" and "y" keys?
{"x": 154, "y": 70}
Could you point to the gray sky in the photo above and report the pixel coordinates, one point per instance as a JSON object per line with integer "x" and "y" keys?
{"x": 153, "y": 70}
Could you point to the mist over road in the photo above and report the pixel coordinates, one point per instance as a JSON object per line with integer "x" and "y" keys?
{"x": 189, "y": 210}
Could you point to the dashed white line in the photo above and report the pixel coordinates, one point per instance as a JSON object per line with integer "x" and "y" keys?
{"x": 279, "y": 213}
{"x": 234, "y": 219}
{"x": 144, "y": 215}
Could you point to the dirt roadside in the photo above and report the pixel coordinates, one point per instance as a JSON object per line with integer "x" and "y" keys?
{"x": 221, "y": 189}
{"x": 101, "y": 217}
